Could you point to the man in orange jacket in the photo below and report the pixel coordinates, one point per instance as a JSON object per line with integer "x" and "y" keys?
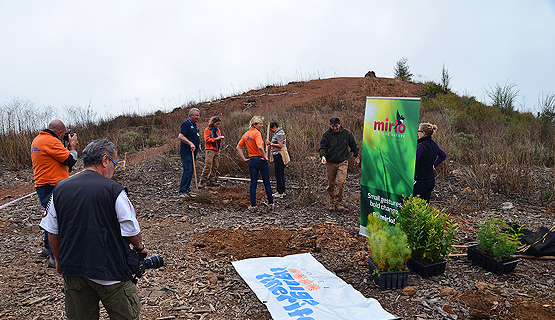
{"x": 52, "y": 162}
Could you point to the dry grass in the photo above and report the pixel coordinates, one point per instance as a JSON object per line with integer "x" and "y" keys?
{"x": 488, "y": 151}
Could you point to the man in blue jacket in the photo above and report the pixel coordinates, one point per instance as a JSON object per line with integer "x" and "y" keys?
{"x": 189, "y": 138}
{"x": 334, "y": 151}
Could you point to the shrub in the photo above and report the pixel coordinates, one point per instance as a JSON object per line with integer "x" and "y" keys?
{"x": 387, "y": 244}
{"x": 132, "y": 141}
{"x": 432, "y": 89}
{"x": 503, "y": 98}
{"x": 430, "y": 232}
{"x": 402, "y": 70}
{"x": 466, "y": 140}
{"x": 497, "y": 238}
{"x": 547, "y": 104}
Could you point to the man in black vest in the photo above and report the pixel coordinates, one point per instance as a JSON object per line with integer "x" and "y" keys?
{"x": 90, "y": 224}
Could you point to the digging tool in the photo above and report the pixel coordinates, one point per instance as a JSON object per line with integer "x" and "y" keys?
{"x": 194, "y": 170}
{"x": 267, "y": 138}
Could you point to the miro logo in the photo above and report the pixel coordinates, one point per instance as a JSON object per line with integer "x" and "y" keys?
{"x": 397, "y": 126}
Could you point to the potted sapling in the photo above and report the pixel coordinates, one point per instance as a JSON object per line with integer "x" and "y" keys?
{"x": 388, "y": 253}
{"x": 496, "y": 243}
{"x": 430, "y": 235}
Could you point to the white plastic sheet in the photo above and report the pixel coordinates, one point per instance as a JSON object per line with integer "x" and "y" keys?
{"x": 298, "y": 287}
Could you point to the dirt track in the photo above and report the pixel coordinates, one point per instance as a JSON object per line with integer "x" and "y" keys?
{"x": 200, "y": 238}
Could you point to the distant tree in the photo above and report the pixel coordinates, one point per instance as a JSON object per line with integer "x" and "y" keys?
{"x": 503, "y": 98}
{"x": 445, "y": 80}
{"x": 547, "y": 105}
{"x": 402, "y": 70}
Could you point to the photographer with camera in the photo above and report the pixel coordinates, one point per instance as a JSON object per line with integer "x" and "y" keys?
{"x": 52, "y": 162}
{"x": 90, "y": 223}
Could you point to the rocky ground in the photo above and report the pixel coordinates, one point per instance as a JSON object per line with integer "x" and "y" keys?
{"x": 200, "y": 238}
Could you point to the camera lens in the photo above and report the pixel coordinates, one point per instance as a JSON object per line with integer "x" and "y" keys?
{"x": 154, "y": 262}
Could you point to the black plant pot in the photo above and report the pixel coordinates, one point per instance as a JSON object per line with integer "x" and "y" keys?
{"x": 388, "y": 280}
{"x": 434, "y": 269}
{"x": 489, "y": 263}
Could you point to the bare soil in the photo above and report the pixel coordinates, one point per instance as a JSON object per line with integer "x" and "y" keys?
{"x": 199, "y": 238}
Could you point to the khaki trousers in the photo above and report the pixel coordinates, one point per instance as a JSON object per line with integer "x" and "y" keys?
{"x": 211, "y": 163}
{"x": 82, "y": 296}
{"x": 336, "y": 174}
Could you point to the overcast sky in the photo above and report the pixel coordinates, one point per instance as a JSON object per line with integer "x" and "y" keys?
{"x": 130, "y": 55}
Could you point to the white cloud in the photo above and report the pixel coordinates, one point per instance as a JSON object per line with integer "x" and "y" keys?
{"x": 159, "y": 54}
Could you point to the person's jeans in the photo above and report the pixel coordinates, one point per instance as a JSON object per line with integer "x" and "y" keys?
{"x": 44, "y": 196}
{"x": 257, "y": 165}
{"x": 279, "y": 169}
{"x": 187, "y": 162}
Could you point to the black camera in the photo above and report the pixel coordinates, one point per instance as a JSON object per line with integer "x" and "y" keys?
{"x": 153, "y": 262}
{"x": 67, "y": 135}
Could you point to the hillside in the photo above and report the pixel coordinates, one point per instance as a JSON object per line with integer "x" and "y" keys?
{"x": 200, "y": 237}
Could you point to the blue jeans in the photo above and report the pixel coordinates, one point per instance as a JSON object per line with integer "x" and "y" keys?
{"x": 257, "y": 165}
{"x": 187, "y": 162}
{"x": 44, "y": 196}
{"x": 279, "y": 169}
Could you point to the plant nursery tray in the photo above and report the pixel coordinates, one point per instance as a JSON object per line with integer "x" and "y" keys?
{"x": 388, "y": 280}
{"x": 489, "y": 263}
{"x": 434, "y": 269}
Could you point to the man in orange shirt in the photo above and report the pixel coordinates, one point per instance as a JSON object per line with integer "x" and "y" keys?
{"x": 52, "y": 162}
{"x": 258, "y": 161}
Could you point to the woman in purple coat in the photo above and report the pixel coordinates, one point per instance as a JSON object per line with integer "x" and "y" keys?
{"x": 428, "y": 156}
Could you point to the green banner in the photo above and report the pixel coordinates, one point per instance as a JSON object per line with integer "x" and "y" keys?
{"x": 388, "y": 155}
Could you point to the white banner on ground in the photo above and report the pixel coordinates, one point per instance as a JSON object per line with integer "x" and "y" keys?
{"x": 298, "y": 287}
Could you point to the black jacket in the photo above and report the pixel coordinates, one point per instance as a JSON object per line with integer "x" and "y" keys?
{"x": 335, "y": 146}
{"x": 425, "y": 165}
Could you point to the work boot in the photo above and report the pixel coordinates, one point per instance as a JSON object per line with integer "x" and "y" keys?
{"x": 271, "y": 207}
{"x": 51, "y": 263}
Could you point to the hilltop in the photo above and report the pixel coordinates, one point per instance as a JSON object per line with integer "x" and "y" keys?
{"x": 200, "y": 237}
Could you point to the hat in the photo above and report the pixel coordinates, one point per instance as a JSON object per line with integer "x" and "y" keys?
{"x": 335, "y": 120}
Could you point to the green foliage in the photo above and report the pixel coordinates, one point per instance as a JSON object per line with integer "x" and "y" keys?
{"x": 391, "y": 83}
{"x": 387, "y": 244}
{"x": 503, "y": 98}
{"x": 432, "y": 89}
{"x": 497, "y": 239}
{"x": 430, "y": 232}
{"x": 151, "y": 142}
{"x": 402, "y": 70}
{"x": 547, "y": 113}
{"x": 132, "y": 141}
{"x": 466, "y": 140}
{"x": 127, "y": 147}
